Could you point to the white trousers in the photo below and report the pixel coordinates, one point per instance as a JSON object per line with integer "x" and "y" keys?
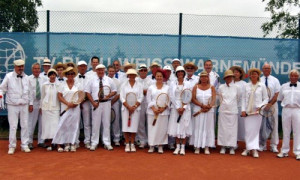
{"x": 34, "y": 117}
{"x": 14, "y": 113}
{"x": 116, "y": 127}
{"x": 291, "y": 121}
{"x": 101, "y": 116}
{"x": 252, "y": 127}
{"x": 142, "y": 129}
{"x": 87, "y": 123}
{"x": 274, "y": 136}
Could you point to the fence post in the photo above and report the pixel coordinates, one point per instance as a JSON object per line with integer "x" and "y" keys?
{"x": 298, "y": 40}
{"x": 48, "y": 30}
{"x": 179, "y": 35}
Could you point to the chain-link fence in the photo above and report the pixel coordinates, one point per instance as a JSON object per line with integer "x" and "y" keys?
{"x": 147, "y": 23}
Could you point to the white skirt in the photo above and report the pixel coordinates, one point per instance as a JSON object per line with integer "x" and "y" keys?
{"x": 68, "y": 127}
{"x": 134, "y": 121}
{"x": 241, "y": 127}
{"x": 157, "y": 134}
{"x": 182, "y": 129}
{"x": 204, "y": 130}
{"x": 252, "y": 127}
{"x": 50, "y": 121}
{"x": 227, "y": 129}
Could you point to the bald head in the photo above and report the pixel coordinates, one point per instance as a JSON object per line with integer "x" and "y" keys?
{"x": 266, "y": 69}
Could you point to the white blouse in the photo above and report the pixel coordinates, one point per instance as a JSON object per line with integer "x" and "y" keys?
{"x": 137, "y": 89}
{"x": 152, "y": 95}
{"x": 176, "y": 101}
{"x": 67, "y": 93}
{"x": 230, "y": 96}
{"x": 49, "y": 99}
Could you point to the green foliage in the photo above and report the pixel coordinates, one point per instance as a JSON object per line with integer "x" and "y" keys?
{"x": 19, "y": 15}
{"x": 282, "y": 21}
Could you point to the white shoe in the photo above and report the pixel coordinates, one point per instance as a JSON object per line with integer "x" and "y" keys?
{"x": 282, "y": 155}
{"x": 232, "y": 151}
{"x": 176, "y": 151}
{"x": 26, "y": 149}
{"x": 245, "y": 152}
{"x": 108, "y": 147}
{"x": 298, "y": 157}
{"x": 132, "y": 148}
{"x": 206, "y": 151}
{"x": 60, "y": 149}
{"x": 255, "y": 154}
{"x": 73, "y": 148}
{"x": 67, "y": 148}
{"x": 49, "y": 148}
{"x": 182, "y": 151}
{"x": 92, "y": 148}
{"x": 142, "y": 146}
{"x": 223, "y": 150}
{"x": 87, "y": 145}
{"x": 151, "y": 149}
{"x": 127, "y": 148}
{"x": 262, "y": 148}
{"x": 197, "y": 151}
{"x": 274, "y": 149}
{"x": 11, "y": 151}
{"x": 160, "y": 149}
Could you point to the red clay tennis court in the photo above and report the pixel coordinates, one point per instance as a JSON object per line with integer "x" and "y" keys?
{"x": 116, "y": 164}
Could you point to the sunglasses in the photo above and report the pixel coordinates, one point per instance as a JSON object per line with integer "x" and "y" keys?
{"x": 70, "y": 73}
{"x": 143, "y": 70}
{"x": 189, "y": 68}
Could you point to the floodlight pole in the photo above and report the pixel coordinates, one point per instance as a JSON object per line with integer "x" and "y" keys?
{"x": 179, "y": 35}
{"x": 48, "y": 30}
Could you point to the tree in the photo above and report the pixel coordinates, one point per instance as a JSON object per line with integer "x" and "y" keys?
{"x": 19, "y": 15}
{"x": 282, "y": 19}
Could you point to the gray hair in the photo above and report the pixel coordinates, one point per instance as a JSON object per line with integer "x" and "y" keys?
{"x": 34, "y": 64}
{"x": 294, "y": 71}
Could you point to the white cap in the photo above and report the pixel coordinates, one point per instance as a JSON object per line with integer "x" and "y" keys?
{"x": 179, "y": 68}
{"x": 81, "y": 63}
{"x": 167, "y": 68}
{"x": 176, "y": 59}
{"x": 142, "y": 66}
{"x": 100, "y": 66}
{"x": 19, "y": 62}
{"x": 47, "y": 62}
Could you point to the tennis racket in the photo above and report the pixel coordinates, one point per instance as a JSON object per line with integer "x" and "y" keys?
{"x": 131, "y": 101}
{"x": 264, "y": 111}
{"x": 112, "y": 116}
{"x": 185, "y": 97}
{"x": 162, "y": 101}
{"x": 106, "y": 91}
{"x": 213, "y": 102}
{"x": 77, "y": 98}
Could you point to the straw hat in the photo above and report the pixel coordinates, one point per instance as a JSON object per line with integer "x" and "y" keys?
{"x": 46, "y": 62}
{"x": 131, "y": 71}
{"x": 60, "y": 65}
{"x": 70, "y": 64}
{"x": 19, "y": 62}
{"x": 254, "y": 70}
{"x": 191, "y": 64}
{"x": 203, "y": 73}
{"x": 228, "y": 73}
{"x": 154, "y": 64}
{"x": 179, "y": 68}
{"x": 238, "y": 68}
{"x": 70, "y": 69}
{"x": 127, "y": 64}
{"x": 52, "y": 70}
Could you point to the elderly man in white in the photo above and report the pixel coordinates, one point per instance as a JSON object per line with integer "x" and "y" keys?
{"x": 273, "y": 85}
{"x": 190, "y": 69}
{"x": 46, "y": 67}
{"x": 16, "y": 87}
{"x": 35, "y": 89}
{"x": 175, "y": 63}
{"x": 289, "y": 96}
{"x": 101, "y": 107}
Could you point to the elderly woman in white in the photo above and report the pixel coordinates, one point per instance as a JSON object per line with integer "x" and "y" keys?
{"x": 69, "y": 121}
{"x": 50, "y": 107}
{"x": 254, "y": 97}
{"x": 182, "y": 129}
{"x": 228, "y": 114}
{"x": 289, "y": 96}
{"x": 130, "y": 130}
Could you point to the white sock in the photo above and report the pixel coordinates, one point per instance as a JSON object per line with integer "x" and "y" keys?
{"x": 178, "y": 146}
{"x": 182, "y": 146}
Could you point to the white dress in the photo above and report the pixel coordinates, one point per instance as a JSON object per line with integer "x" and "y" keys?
{"x": 228, "y": 115}
{"x": 50, "y": 109}
{"x": 204, "y": 126}
{"x": 137, "y": 89}
{"x": 69, "y": 121}
{"x": 182, "y": 129}
{"x": 157, "y": 134}
{"x": 241, "y": 120}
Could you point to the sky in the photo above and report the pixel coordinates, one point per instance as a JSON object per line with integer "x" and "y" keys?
{"x": 252, "y": 8}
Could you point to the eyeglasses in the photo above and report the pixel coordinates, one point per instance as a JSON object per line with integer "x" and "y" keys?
{"x": 143, "y": 70}
{"x": 116, "y": 64}
{"x": 190, "y": 68}
{"x": 70, "y": 73}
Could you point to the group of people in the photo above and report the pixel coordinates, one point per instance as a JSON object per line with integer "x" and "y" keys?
{"x": 132, "y": 94}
